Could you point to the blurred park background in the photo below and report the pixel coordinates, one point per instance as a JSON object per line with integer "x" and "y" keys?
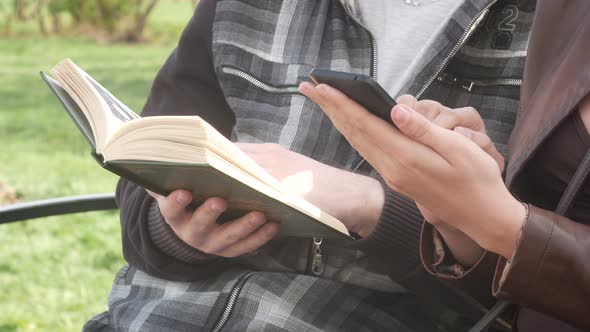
{"x": 56, "y": 273}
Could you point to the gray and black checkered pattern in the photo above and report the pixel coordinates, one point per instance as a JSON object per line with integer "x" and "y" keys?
{"x": 277, "y": 43}
{"x": 268, "y": 301}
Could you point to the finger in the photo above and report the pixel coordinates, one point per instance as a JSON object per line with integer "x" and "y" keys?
{"x": 407, "y": 100}
{"x": 467, "y": 117}
{"x": 371, "y": 136}
{"x": 258, "y": 148}
{"x": 246, "y": 147}
{"x": 233, "y": 232}
{"x": 203, "y": 221}
{"x": 485, "y": 143}
{"x": 153, "y": 194}
{"x": 314, "y": 92}
{"x": 430, "y": 109}
{"x": 174, "y": 207}
{"x": 253, "y": 241}
{"x": 418, "y": 128}
{"x": 332, "y": 100}
{"x": 350, "y": 118}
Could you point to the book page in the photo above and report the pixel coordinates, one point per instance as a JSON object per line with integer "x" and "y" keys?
{"x": 104, "y": 111}
{"x": 116, "y": 113}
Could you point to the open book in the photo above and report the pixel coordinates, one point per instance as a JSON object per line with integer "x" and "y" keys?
{"x": 165, "y": 153}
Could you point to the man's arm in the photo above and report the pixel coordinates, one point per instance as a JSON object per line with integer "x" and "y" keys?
{"x": 185, "y": 85}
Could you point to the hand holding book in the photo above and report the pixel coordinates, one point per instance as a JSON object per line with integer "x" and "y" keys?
{"x": 199, "y": 227}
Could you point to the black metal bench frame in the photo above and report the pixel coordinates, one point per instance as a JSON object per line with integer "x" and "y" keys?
{"x": 57, "y": 206}
{"x": 100, "y": 202}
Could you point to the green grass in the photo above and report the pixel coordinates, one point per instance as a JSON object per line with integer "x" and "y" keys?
{"x": 55, "y": 273}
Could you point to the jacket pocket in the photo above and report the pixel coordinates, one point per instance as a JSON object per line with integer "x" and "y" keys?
{"x": 241, "y": 74}
{"x": 473, "y": 83}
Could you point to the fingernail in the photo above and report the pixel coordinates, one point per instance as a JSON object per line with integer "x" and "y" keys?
{"x": 401, "y": 114}
{"x": 322, "y": 89}
{"x": 305, "y": 87}
{"x": 257, "y": 220}
{"x": 215, "y": 207}
{"x": 182, "y": 198}
{"x": 464, "y": 131}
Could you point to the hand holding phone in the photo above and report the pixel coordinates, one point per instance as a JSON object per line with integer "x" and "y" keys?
{"x": 360, "y": 88}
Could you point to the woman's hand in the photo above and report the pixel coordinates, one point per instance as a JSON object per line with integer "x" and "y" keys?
{"x": 440, "y": 169}
{"x": 354, "y": 199}
{"x": 468, "y": 122}
{"x": 465, "y": 121}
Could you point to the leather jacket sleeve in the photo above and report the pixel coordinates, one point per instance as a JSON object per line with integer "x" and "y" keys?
{"x": 549, "y": 271}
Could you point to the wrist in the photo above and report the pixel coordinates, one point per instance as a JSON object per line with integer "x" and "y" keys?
{"x": 503, "y": 236}
{"x": 366, "y": 205}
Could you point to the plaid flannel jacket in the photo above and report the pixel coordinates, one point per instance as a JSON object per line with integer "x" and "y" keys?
{"x": 261, "y": 51}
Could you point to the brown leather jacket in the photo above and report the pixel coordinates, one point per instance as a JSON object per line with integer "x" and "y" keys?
{"x": 550, "y": 271}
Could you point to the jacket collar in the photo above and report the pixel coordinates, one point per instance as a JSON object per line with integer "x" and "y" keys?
{"x": 456, "y": 32}
{"x": 556, "y": 78}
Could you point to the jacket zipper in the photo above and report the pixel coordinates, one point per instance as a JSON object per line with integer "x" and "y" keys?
{"x": 317, "y": 265}
{"x": 258, "y": 83}
{"x": 468, "y": 32}
{"x": 469, "y": 84}
{"x": 374, "y": 60}
{"x": 231, "y": 301}
{"x": 348, "y": 8}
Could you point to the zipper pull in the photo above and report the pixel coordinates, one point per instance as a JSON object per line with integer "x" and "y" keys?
{"x": 468, "y": 85}
{"x": 317, "y": 266}
{"x": 448, "y": 79}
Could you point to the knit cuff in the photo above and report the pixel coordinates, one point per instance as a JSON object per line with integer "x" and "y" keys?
{"x": 168, "y": 242}
{"x": 397, "y": 234}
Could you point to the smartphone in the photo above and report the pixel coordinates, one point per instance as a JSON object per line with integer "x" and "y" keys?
{"x": 360, "y": 88}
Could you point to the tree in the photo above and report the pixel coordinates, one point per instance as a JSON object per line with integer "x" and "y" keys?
{"x": 142, "y": 12}
{"x": 26, "y": 10}
{"x": 117, "y": 19}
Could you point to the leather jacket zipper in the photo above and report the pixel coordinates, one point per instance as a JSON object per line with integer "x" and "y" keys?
{"x": 469, "y": 84}
{"x": 468, "y": 32}
{"x": 231, "y": 301}
{"x": 258, "y": 83}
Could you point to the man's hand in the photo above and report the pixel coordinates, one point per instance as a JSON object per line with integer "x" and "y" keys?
{"x": 354, "y": 199}
{"x": 198, "y": 227}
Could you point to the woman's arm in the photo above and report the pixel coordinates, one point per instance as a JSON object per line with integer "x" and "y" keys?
{"x": 442, "y": 170}
{"x": 550, "y": 270}
{"x": 456, "y": 180}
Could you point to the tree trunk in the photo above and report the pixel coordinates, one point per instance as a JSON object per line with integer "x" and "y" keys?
{"x": 20, "y": 10}
{"x": 40, "y": 17}
{"x": 141, "y": 17}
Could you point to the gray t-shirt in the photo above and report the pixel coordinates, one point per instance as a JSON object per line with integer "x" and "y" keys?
{"x": 403, "y": 33}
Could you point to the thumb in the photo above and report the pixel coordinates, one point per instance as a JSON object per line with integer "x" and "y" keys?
{"x": 417, "y": 127}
